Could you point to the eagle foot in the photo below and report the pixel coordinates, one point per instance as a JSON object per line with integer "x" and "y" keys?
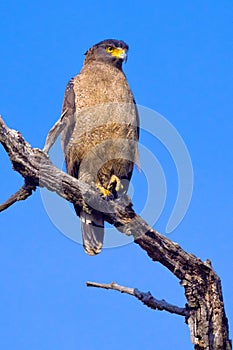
{"x": 104, "y": 191}
{"x": 115, "y": 184}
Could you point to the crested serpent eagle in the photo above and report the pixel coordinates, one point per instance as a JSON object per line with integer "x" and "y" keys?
{"x": 100, "y": 138}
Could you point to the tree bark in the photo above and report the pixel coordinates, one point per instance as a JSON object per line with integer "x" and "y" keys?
{"x": 205, "y": 314}
{"x": 146, "y": 298}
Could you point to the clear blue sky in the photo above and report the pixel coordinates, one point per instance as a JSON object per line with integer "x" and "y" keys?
{"x": 180, "y": 64}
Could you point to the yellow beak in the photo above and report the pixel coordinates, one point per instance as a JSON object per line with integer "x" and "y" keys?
{"x": 119, "y": 53}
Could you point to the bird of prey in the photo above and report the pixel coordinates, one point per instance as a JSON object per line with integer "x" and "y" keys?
{"x": 101, "y": 136}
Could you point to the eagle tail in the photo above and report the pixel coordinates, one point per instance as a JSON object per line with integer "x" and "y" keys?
{"x": 92, "y": 226}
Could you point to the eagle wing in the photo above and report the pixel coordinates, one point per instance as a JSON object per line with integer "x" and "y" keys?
{"x": 70, "y": 109}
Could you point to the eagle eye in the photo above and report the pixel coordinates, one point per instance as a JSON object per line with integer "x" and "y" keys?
{"x": 109, "y": 49}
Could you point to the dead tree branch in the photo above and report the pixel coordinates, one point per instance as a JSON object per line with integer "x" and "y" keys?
{"x": 23, "y": 193}
{"x": 207, "y": 319}
{"x": 146, "y": 298}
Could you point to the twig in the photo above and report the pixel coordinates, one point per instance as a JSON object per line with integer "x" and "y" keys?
{"x": 23, "y": 193}
{"x": 112, "y": 285}
{"x": 146, "y": 298}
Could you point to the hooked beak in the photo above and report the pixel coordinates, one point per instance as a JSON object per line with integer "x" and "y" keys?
{"x": 120, "y": 53}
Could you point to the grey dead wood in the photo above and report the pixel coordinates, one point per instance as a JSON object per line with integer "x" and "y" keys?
{"x": 205, "y": 313}
{"x": 146, "y": 298}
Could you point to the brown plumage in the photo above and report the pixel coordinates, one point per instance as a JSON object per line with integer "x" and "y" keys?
{"x": 100, "y": 142}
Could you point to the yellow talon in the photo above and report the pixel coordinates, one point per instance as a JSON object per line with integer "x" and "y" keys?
{"x": 114, "y": 186}
{"x": 117, "y": 181}
{"x": 105, "y": 192}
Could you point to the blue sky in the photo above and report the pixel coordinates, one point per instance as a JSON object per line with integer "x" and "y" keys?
{"x": 180, "y": 64}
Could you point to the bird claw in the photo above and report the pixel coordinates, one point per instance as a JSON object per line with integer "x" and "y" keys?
{"x": 115, "y": 184}
{"x": 106, "y": 194}
{"x": 113, "y": 190}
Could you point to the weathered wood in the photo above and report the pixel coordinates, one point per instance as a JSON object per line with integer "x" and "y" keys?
{"x": 23, "y": 193}
{"x": 207, "y": 319}
{"x": 146, "y": 298}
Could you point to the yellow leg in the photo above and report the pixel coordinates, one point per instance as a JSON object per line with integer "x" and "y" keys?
{"x": 117, "y": 181}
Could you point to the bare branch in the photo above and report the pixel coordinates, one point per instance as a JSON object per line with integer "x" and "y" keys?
{"x": 146, "y": 298}
{"x": 54, "y": 132}
{"x": 23, "y": 193}
{"x": 113, "y": 286}
{"x": 156, "y": 304}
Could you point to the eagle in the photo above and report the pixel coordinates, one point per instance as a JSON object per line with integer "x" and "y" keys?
{"x": 100, "y": 140}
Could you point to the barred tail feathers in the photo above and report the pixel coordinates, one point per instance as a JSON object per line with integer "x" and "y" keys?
{"x": 92, "y": 226}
